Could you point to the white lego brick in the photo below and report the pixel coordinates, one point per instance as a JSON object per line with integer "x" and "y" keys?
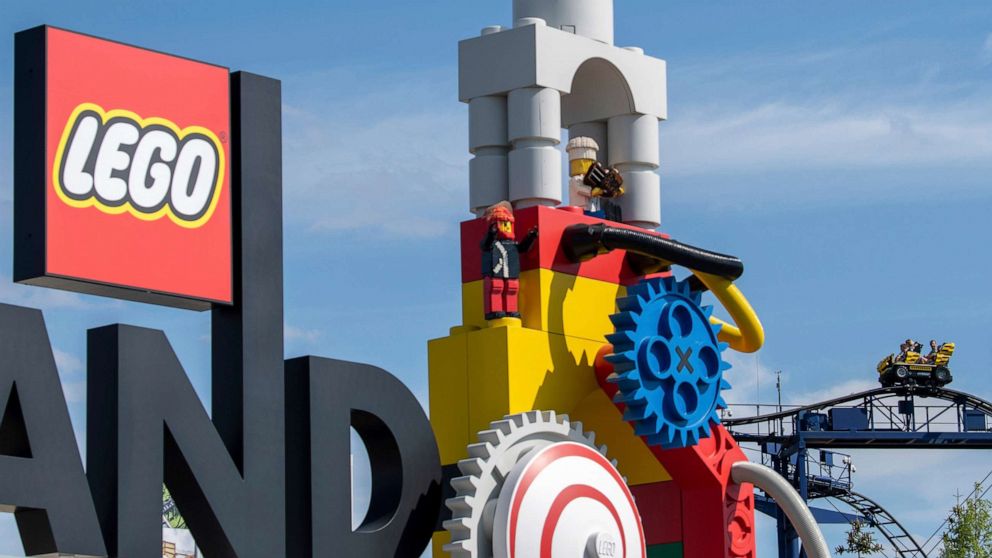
{"x": 641, "y": 202}
{"x": 534, "y": 113}
{"x": 535, "y": 175}
{"x": 542, "y": 56}
{"x": 633, "y": 139}
{"x": 488, "y": 178}
{"x": 487, "y": 122}
{"x": 589, "y": 18}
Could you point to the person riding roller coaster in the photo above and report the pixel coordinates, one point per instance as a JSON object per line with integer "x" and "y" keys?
{"x": 910, "y": 368}
{"x": 932, "y": 356}
{"x": 909, "y": 350}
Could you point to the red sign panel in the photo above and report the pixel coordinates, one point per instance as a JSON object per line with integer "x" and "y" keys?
{"x": 137, "y": 183}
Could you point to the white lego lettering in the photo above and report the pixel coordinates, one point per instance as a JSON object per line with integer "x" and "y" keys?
{"x": 74, "y": 180}
{"x": 145, "y": 195}
{"x": 110, "y": 158}
{"x": 190, "y": 193}
{"x": 118, "y": 162}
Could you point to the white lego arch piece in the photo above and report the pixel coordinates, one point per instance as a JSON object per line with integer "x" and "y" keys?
{"x": 542, "y": 76}
{"x": 542, "y": 56}
{"x": 599, "y": 91}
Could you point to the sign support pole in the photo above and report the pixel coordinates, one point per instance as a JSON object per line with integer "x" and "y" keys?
{"x": 247, "y": 338}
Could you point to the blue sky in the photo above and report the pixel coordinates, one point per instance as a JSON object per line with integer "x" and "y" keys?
{"x": 843, "y": 150}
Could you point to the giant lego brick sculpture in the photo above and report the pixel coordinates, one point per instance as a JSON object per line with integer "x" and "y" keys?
{"x": 600, "y": 354}
{"x": 553, "y": 358}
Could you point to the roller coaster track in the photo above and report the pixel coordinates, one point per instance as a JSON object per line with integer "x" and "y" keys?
{"x": 949, "y": 395}
{"x": 873, "y": 513}
{"x": 879, "y": 518}
{"x": 892, "y": 419}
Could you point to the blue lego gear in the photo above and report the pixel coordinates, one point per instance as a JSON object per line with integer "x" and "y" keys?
{"x": 667, "y": 363}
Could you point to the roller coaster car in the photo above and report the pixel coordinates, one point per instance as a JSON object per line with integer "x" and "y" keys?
{"x": 916, "y": 371}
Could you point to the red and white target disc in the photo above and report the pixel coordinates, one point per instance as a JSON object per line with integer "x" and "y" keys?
{"x": 566, "y": 501}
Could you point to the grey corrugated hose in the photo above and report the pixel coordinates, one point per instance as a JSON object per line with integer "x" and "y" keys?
{"x": 789, "y": 500}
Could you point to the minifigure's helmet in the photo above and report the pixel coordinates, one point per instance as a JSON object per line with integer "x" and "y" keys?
{"x": 581, "y": 147}
{"x": 581, "y": 154}
{"x": 501, "y": 211}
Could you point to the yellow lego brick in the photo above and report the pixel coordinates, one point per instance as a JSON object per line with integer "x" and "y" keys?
{"x": 510, "y": 370}
{"x": 487, "y": 374}
{"x": 438, "y": 541}
{"x": 634, "y": 460}
{"x": 473, "y": 313}
{"x": 554, "y": 302}
{"x": 480, "y": 375}
{"x": 448, "y": 381}
{"x": 516, "y": 369}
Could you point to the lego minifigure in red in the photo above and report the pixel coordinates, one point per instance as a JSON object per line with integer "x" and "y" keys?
{"x": 501, "y": 262}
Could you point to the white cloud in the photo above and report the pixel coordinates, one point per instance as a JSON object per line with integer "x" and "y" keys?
{"x": 293, "y": 333}
{"x": 751, "y": 381}
{"x": 795, "y": 126}
{"x": 392, "y": 162}
{"x": 75, "y": 392}
{"x": 10, "y": 538}
{"x": 389, "y": 155}
{"x": 846, "y": 387}
{"x": 825, "y": 133}
{"x": 40, "y": 297}
{"x": 67, "y": 363}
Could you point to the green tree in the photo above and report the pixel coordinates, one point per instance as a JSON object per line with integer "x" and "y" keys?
{"x": 969, "y": 528}
{"x": 860, "y": 541}
{"x": 170, "y": 513}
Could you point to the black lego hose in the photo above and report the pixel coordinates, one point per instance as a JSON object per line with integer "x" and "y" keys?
{"x": 584, "y": 242}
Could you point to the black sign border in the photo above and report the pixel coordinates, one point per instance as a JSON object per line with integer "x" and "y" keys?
{"x": 30, "y": 162}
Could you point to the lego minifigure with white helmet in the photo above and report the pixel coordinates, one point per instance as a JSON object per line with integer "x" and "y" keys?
{"x": 589, "y": 180}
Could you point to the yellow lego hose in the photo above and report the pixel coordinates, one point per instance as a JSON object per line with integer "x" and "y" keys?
{"x": 746, "y": 333}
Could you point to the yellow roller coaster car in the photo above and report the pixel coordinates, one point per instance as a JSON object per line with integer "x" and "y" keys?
{"x": 912, "y": 369}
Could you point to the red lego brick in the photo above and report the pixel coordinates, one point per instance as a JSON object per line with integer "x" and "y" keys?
{"x": 719, "y": 515}
{"x": 660, "y": 505}
{"x": 546, "y": 252}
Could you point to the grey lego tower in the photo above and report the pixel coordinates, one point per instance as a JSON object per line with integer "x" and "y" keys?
{"x": 557, "y": 67}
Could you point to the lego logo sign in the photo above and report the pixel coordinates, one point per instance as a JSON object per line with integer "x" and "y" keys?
{"x": 163, "y": 170}
{"x": 127, "y": 193}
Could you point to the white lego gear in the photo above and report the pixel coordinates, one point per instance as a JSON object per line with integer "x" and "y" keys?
{"x": 490, "y": 462}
